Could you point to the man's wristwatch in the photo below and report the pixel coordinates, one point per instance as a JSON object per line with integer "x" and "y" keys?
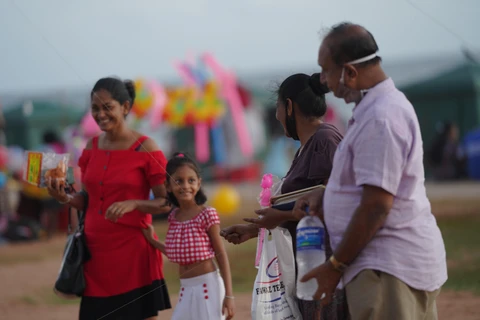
{"x": 339, "y": 266}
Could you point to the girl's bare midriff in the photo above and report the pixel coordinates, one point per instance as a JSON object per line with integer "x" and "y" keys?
{"x": 197, "y": 269}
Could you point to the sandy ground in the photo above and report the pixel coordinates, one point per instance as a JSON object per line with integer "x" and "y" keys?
{"x": 20, "y": 280}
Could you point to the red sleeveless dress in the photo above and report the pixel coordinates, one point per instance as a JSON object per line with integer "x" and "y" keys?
{"x": 123, "y": 265}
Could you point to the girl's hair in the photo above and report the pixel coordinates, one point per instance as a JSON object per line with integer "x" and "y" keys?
{"x": 179, "y": 160}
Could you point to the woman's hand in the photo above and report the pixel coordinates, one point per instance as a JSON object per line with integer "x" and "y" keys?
{"x": 118, "y": 209}
{"x": 270, "y": 218}
{"x": 56, "y": 190}
{"x": 239, "y": 233}
{"x": 228, "y": 308}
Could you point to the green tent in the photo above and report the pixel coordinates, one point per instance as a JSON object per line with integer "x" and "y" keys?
{"x": 26, "y": 123}
{"x": 452, "y": 96}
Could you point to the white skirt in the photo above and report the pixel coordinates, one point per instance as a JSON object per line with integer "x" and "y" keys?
{"x": 200, "y": 298}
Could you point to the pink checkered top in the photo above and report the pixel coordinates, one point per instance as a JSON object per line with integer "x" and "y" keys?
{"x": 188, "y": 242}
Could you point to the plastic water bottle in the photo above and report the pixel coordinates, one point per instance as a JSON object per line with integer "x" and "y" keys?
{"x": 310, "y": 253}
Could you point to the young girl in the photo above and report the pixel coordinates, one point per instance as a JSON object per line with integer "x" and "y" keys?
{"x": 193, "y": 241}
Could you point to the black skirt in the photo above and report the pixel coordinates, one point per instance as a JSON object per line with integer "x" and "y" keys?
{"x": 138, "y": 304}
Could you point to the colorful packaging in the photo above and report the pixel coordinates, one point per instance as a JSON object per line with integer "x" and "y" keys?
{"x": 39, "y": 166}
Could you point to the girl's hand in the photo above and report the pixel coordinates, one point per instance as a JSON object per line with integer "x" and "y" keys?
{"x": 149, "y": 233}
{"x": 56, "y": 190}
{"x": 228, "y": 308}
{"x": 118, "y": 209}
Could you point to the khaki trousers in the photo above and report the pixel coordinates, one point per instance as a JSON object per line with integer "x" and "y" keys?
{"x": 376, "y": 295}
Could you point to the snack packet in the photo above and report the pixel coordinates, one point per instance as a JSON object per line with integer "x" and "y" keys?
{"x": 39, "y": 166}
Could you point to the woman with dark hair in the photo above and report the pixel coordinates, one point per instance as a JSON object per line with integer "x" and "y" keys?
{"x": 301, "y": 107}
{"x": 124, "y": 277}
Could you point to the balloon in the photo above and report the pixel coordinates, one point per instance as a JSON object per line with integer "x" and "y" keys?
{"x": 34, "y": 191}
{"x": 231, "y": 94}
{"x": 3, "y": 179}
{"x": 3, "y": 157}
{"x": 89, "y": 126}
{"x": 190, "y": 119}
{"x": 185, "y": 74}
{"x": 202, "y": 142}
{"x": 144, "y": 99}
{"x": 15, "y": 159}
{"x": 159, "y": 102}
{"x": 226, "y": 200}
{"x": 199, "y": 96}
{"x": 245, "y": 96}
{"x": 218, "y": 143}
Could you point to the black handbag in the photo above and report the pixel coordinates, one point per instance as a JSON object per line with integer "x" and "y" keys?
{"x": 70, "y": 283}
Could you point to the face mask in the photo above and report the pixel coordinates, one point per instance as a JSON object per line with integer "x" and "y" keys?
{"x": 350, "y": 95}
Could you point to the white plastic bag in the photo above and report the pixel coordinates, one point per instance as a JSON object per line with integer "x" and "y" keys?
{"x": 273, "y": 296}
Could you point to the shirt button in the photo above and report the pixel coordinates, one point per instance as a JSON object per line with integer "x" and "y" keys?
{"x": 99, "y": 211}
{"x": 108, "y": 153}
{"x": 104, "y": 167}
{"x": 101, "y": 183}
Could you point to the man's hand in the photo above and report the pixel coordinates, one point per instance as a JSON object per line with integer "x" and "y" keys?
{"x": 327, "y": 278}
{"x": 311, "y": 203}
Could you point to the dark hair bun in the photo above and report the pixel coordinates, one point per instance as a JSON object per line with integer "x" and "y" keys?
{"x": 318, "y": 88}
{"x": 131, "y": 89}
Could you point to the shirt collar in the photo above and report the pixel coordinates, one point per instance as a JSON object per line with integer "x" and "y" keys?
{"x": 379, "y": 89}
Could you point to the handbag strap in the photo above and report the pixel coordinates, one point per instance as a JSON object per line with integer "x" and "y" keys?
{"x": 80, "y": 214}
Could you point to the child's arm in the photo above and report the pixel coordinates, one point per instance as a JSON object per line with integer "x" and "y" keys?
{"x": 222, "y": 258}
{"x": 150, "y": 235}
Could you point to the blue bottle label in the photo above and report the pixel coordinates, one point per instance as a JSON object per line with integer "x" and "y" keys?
{"x": 310, "y": 238}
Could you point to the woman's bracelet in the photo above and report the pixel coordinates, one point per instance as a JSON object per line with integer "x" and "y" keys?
{"x": 230, "y": 297}
{"x": 69, "y": 198}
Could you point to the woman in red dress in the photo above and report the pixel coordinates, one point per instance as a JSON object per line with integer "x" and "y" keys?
{"x": 124, "y": 277}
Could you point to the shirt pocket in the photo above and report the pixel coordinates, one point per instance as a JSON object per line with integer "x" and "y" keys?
{"x": 342, "y": 172}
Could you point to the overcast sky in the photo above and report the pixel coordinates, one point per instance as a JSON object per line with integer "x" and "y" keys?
{"x": 52, "y": 44}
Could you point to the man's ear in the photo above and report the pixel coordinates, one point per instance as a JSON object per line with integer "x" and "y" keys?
{"x": 351, "y": 73}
